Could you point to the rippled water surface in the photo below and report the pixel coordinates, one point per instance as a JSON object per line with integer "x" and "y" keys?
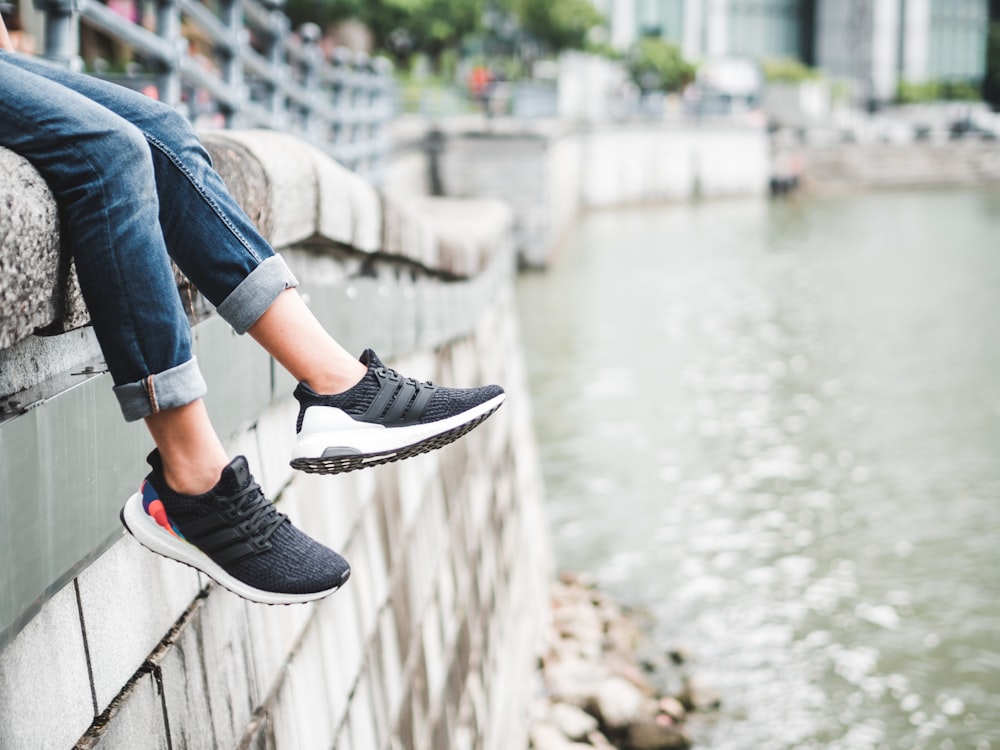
{"x": 777, "y": 428}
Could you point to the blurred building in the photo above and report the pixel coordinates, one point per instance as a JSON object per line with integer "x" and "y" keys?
{"x": 875, "y": 43}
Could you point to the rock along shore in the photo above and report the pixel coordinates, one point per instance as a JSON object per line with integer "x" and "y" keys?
{"x": 598, "y": 680}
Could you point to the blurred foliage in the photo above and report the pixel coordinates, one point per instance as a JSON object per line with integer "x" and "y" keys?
{"x": 991, "y": 81}
{"x": 558, "y": 24}
{"x": 400, "y": 27}
{"x": 604, "y": 49}
{"x": 787, "y": 70}
{"x": 931, "y": 91}
{"x": 658, "y": 65}
{"x": 403, "y": 28}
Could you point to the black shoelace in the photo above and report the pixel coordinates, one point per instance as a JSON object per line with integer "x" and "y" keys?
{"x": 387, "y": 372}
{"x": 262, "y": 518}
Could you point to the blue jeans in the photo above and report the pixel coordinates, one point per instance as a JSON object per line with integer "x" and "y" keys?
{"x": 135, "y": 188}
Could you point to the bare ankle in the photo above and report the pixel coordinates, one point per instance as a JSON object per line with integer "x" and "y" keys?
{"x": 187, "y": 477}
{"x": 338, "y": 381}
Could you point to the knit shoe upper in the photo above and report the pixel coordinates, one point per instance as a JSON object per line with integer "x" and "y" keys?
{"x": 385, "y": 417}
{"x": 234, "y": 534}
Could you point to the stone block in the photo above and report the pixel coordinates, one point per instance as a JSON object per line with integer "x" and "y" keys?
{"x": 208, "y": 679}
{"x": 359, "y": 554}
{"x": 45, "y": 691}
{"x": 238, "y": 374}
{"x": 35, "y": 359}
{"x": 273, "y": 632}
{"x": 129, "y": 598}
{"x": 281, "y": 716}
{"x": 378, "y": 575}
{"x": 38, "y": 288}
{"x": 389, "y": 659}
{"x": 335, "y": 185}
{"x": 290, "y": 179}
{"x": 137, "y": 721}
{"x": 367, "y": 207}
{"x": 310, "y": 702}
{"x": 469, "y": 232}
{"x": 342, "y": 641}
{"x": 245, "y": 177}
{"x": 407, "y": 232}
{"x": 433, "y": 648}
{"x": 339, "y": 680}
{"x": 362, "y": 718}
{"x": 76, "y": 439}
{"x": 275, "y": 440}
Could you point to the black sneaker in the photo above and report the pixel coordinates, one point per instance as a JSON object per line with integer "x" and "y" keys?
{"x": 234, "y": 535}
{"x": 384, "y": 418}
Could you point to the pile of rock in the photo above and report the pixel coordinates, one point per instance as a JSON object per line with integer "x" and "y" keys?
{"x": 597, "y": 690}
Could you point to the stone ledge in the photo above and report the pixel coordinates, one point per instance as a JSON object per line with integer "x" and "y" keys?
{"x": 293, "y": 192}
{"x": 36, "y": 290}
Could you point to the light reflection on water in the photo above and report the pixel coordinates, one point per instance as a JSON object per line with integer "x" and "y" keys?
{"x": 777, "y": 428}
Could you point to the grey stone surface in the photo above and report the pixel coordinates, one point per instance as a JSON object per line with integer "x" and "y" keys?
{"x": 45, "y": 292}
{"x": 238, "y": 374}
{"x": 35, "y": 359}
{"x": 45, "y": 699}
{"x": 137, "y": 721}
{"x": 573, "y": 721}
{"x": 75, "y": 440}
{"x": 288, "y": 168}
{"x": 308, "y": 705}
{"x": 29, "y": 250}
{"x": 208, "y": 678}
{"x": 129, "y": 599}
{"x": 468, "y": 231}
{"x": 244, "y": 176}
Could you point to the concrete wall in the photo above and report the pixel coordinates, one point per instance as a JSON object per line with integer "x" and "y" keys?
{"x": 548, "y": 173}
{"x": 432, "y": 641}
{"x": 846, "y": 166}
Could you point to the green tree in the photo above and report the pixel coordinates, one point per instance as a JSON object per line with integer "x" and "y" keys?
{"x": 400, "y": 27}
{"x": 404, "y": 27}
{"x": 558, "y": 24}
{"x": 657, "y": 65}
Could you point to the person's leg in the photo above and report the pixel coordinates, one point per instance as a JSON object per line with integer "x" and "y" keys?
{"x": 101, "y": 174}
{"x": 213, "y": 241}
{"x": 351, "y": 415}
{"x": 213, "y": 516}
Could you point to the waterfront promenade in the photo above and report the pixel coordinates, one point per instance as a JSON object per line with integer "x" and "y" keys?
{"x": 434, "y": 639}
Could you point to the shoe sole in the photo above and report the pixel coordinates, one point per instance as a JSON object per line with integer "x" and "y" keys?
{"x": 340, "y": 452}
{"x": 150, "y": 535}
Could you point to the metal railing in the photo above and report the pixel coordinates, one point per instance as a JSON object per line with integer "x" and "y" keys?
{"x": 260, "y": 73}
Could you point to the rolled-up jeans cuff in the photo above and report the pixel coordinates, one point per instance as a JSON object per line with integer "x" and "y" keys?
{"x": 257, "y": 292}
{"x": 169, "y": 389}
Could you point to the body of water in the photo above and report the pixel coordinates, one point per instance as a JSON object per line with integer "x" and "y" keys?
{"x": 776, "y": 427}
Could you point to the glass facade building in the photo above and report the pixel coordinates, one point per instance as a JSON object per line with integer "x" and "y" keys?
{"x": 877, "y": 43}
{"x": 957, "y": 40}
{"x": 765, "y": 28}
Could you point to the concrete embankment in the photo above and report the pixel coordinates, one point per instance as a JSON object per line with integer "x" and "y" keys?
{"x": 433, "y": 639}
{"x": 550, "y": 171}
{"x": 840, "y": 167}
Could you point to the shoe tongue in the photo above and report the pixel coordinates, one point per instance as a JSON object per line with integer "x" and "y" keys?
{"x": 235, "y": 477}
{"x": 370, "y": 359}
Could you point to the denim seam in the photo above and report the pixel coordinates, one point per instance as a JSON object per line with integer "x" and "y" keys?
{"x": 151, "y": 392}
{"x": 162, "y": 148}
{"x": 136, "y": 340}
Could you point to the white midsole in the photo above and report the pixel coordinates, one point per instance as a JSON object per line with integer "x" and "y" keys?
{"x": 151, "y": 535}
{"x": 326, "y": 427}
